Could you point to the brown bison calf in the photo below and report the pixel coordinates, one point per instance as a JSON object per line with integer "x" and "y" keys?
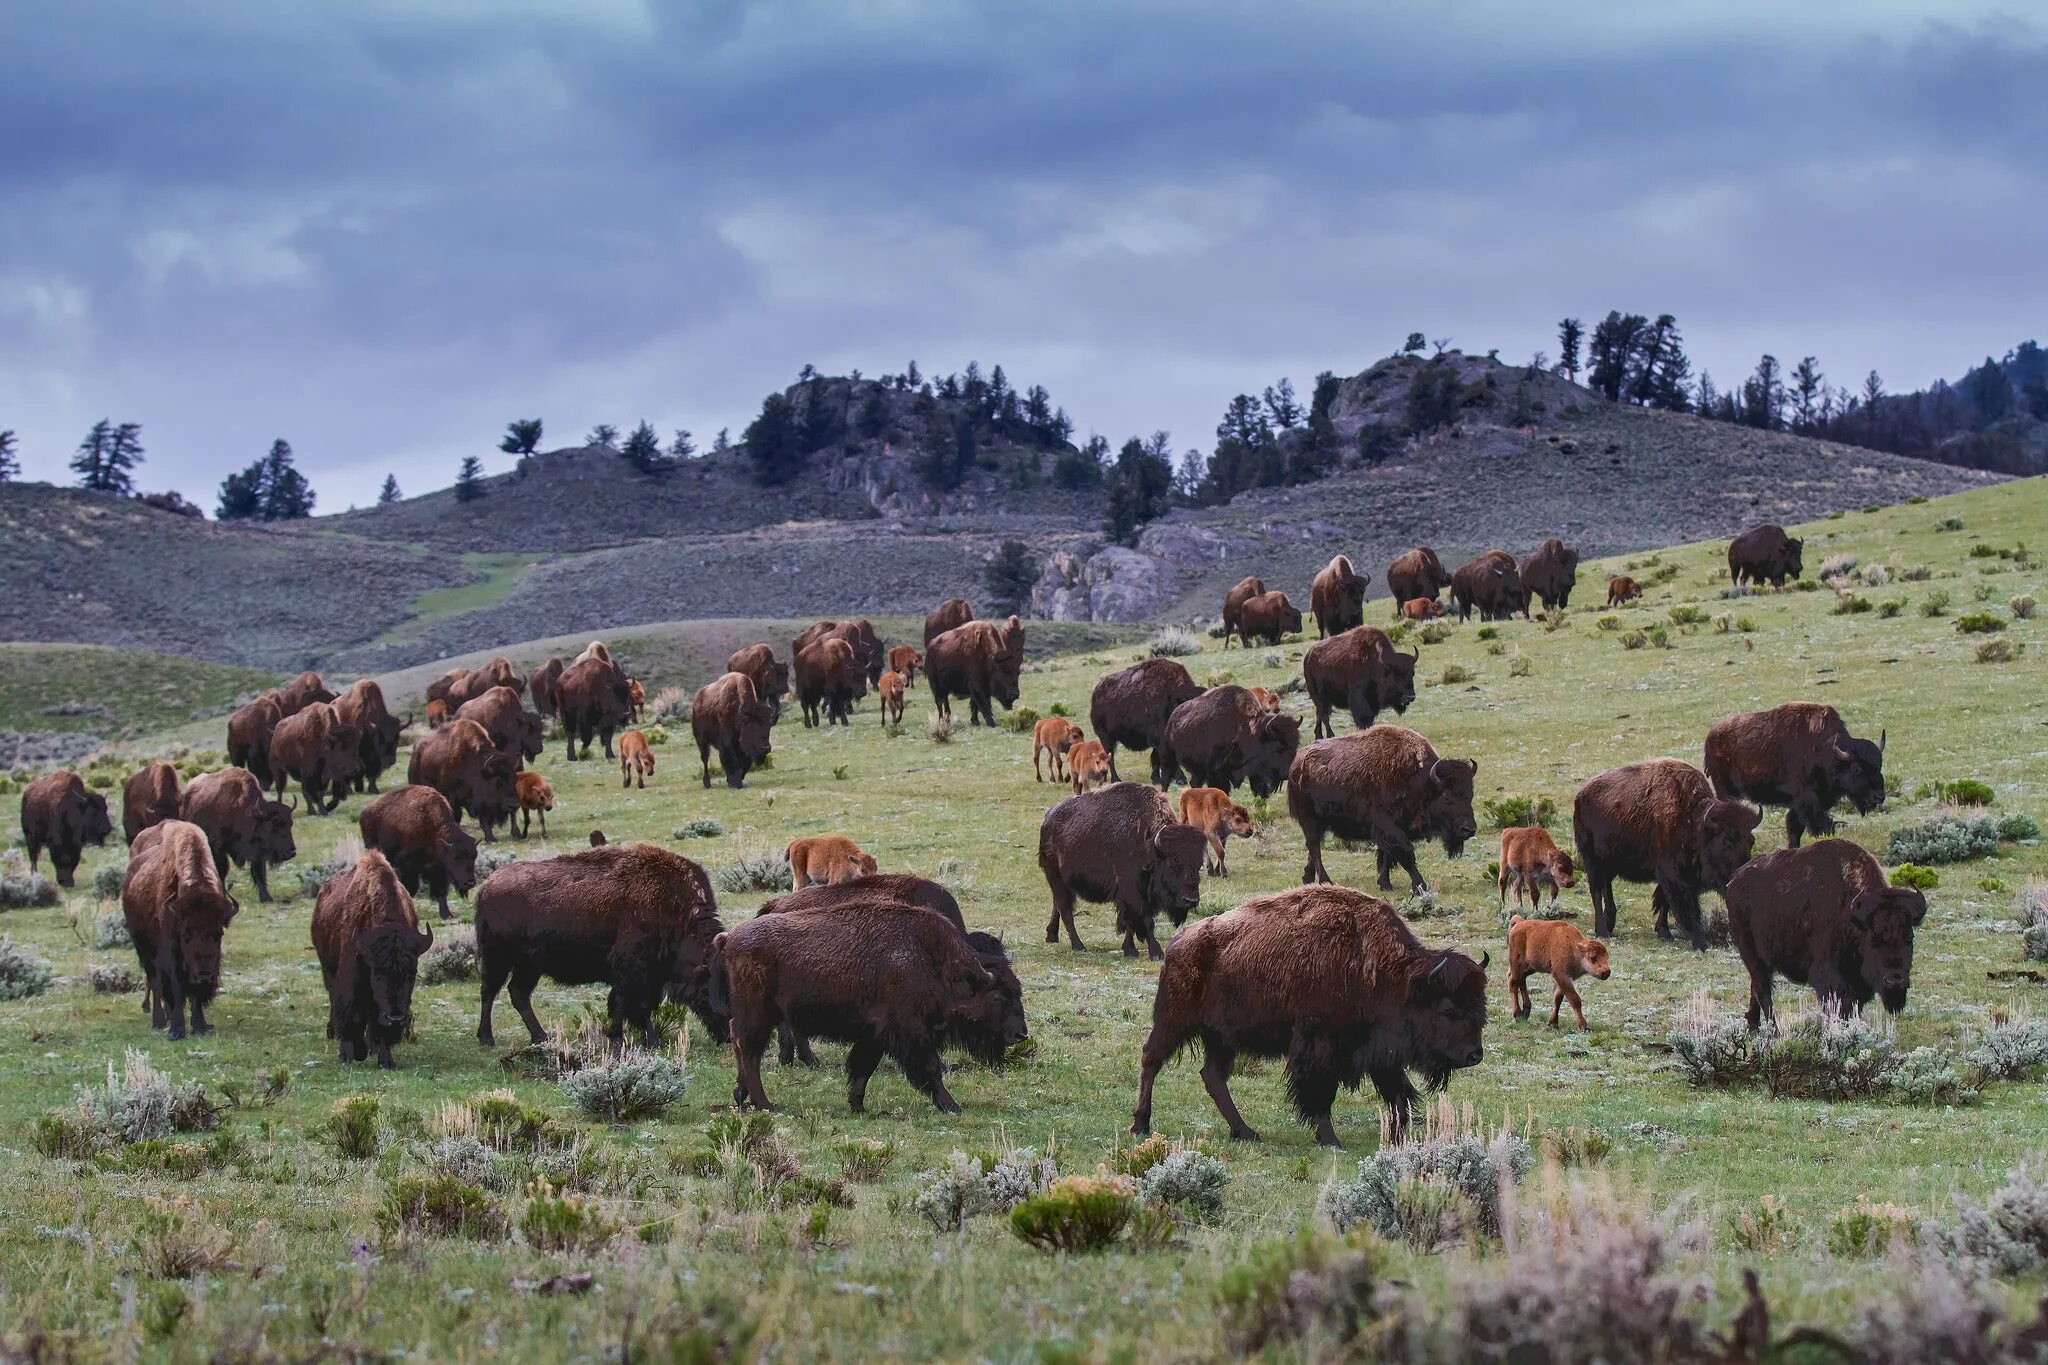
{"x": 1227, "y": 736}
{"x": 1421, "y": 609}
{"x": 826, "y": 859}
{"x": 1386, "y": 785}
{"x": 149, "y": 798}
{"x": 888, "y": 979}
{"x": 1131, "y": 708}
{"x": 1088, "y": 766}
{"x": 1825, "y": 917}
{"x": 1418, "y": 573}
{"x": 60, "y": 814}
{"x": 1218, "y": 817}
{"x": 890, "y": 690}
{"x": 1622, "y": 589}
{"x": 1800, "y": 756}
{"x": 1120, "y": 845}
{"x": 636, "y": 759}
{"x": 636, "y": 695}
{"x": 369, "y": 943}
{"x": 1337, "y": 597}
{"x": 1052, "y": 738}
{"x": 242, "y": 825}
{"x": 536, "y": 795}
{"x": 905, "y": 659}
{"x": 1331, "y": 979}
{"x": 1659, "y": 822}
{"x": 1531, "y": 860}
{"x": 177, "y": 914}
{"x": 1536, "y": 945}
{"x": 416, "y": 830}
{"x": 729, "y": 715}
{"x": 437, "y": 713}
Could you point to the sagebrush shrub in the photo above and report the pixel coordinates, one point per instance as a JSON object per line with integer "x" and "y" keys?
{"x": 353, "y": 1126}
{"x": 1766, "y": 1227}
{"x": 112, "y": 978}
{"x": 1472, "y": 1162}
{"x": 1310, "y": 1285}
{"x": 1078, "y": 1213}
{"x": 967, "y": 1187}
{"x": 1944, "y": 839}
{"x": 2017, "y": 828}
{"x": 2008, "y": 1232}
{"x": 1173, "y": 642}
{"x": 1869, "y": 1229}
{"x": 110, "y": 931}
{"x": 2022, "y": 607}
{"x": 1186, "y": 1180}
{"x": 1979, "y": 623}
{"x": 553, "y": 1222}
{"x": 452, "y": 958}
{"x": 703, "y": 828}
{"x": 1936, "y": 603}
{"x": 626, "y": 1088}
{"x": 1998, "y": 650}
{"x": 22, "y": 973}
{"x": 1456, "y": 673}
{"x": 106, "y": 881}
{"x": 1915, "y": 876}
{"x": 767, "y": 871}
{"x": 440, "y": 1206}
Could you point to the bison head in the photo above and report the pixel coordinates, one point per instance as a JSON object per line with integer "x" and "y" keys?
{"x": 985, "y": 1014}
{"x": 1173, "y": 879}
{"x": 690, "y": 981}
{"x": 995, "y": 960}
{"x": 455, "y": 855}
{"x": 1856, "y": 771}
{"x": 391, "y": 957}
{"x": 201, "y": 916}
{"x": 1270, "y": 754}
{"x": 273, "y": 832}
{"x": 1593, "y": 958}
{"x": 1238, "y": 820}
{"x": 1562, "y": 870}
{"x": 756, "y": 729}
{"x": 95, "y": 822}
{"x": 343, "y": 758}
{"x": 1727, "y": 838}
{"x": 1795, "y": 557}
{"x": 1882, "y": 923}
{"x": 1446, "y": 1015}
{"x": 1397, "y": 686}
{"x": 1447, "y": 803}
{"x": 532, "y": 734}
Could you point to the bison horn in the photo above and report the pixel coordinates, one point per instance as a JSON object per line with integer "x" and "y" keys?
{"x": 294, "y": 803}
{"x": 1880, "y": 743}
{"x": 1441, "y": 960}
{"x": 426, "y": 937}
{"x": 1484, "y": 958}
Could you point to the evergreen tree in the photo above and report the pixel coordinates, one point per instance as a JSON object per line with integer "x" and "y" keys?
{"x": 1988, "y": 394}
{"x": 1434, "y": 396}
{"x": 1416, "y": 344}
{"x": 10, "y": 463}
{"x": 469, "y": 479}
{"x": 1074, "y": 469}
{"x": 106, "y": 458}
{"x": 603, "y": 434}
{"x": 948, "y": 456}
{"x": 874, "y": 414}
{"x": 1569, "y": 335}
{"x": 286, "y": 494}
{"x": 389, "y": 493}
{"x": 682, "y": 446}
{"x": 1614, "y": 359}
{"x": 1706, "y": 398}
{"x": 911, "y": 378}
{"x": 1667, "y": 373}
{"x": 772, "y": 442}
{"x": 1315, "y": 454}
{"x": 1378, "y": 442}
{"x": 241, "y": 495}
{"x": 1009, "y": 578}
{"x": 1282, "y": 406}
{"x": 522, "y": 437}
{"x": 1139, "y": 485}
{"x": 1763, "y": 395}
{"x": 1807, "y": 384}
{"x": 1187, "y": 480}
{"x": 722, "y": 442}
{"x": 643, "y": 450}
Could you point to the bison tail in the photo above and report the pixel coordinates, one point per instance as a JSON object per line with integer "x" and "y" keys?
{"x": 721, "y": 982}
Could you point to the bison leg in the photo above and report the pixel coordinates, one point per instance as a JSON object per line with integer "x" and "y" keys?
{"x": 792, "y": 1047}
{"x": 1315, "y": 871}
{"x": 1566, "y": 991}
{"x": 524, "y": 979}
{"x": 1760, "y": 996}
{"x": 259, "y": 873}
{"x": 1600, "y": 890}
{"x": 922, "y": 1067}
{"x": 1160, "y": 1045}
{"x": 1110, "y": 746}
{"x": 607, "y": 733}
{"x": 199, "y": 1023}
{"x": 1062, "y": 913}
{"x": 1216, "y": 1063}
{"x": 747, "y": 1048}
{"x": 1397, "y": 1092}
{"x": 861, "y": 1060}
{"x": 1519, "y": 1001}
{"x": 704, "y": 757}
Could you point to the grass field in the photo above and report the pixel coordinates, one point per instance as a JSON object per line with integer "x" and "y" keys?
{"x": 1540, "y": 709}
{"x": 41, "y": 687}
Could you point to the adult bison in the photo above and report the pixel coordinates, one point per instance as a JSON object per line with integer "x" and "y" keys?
{"x": 728, "y": 715}
{"x": 418, "y": 833}
{"x": 319, "y": 751}
{"x": 1267, "y": 618}
{"x": 369, "y": 941}
{"x": 60, "y": 814}
{"x": 1360, "y": 671}
{"x": 1801, "y": 756}
{"x": 829, "y": 680}
{"x": 1227, "y": 736}
{"x": 594, "y": 697}
{"x": 541, "y": 685}
{"x": 1490, "y": 585}
{"x": 1386, "y": 785}
{"x": 460, "y": 762}
{"x": 887, "y": 978}
{"x": 1337, "y": 597}
{"x": 378, "y": 731}
{"x": 1233, "y": 604}
{"x": 636, "y": 917}
{"x": 249, "y": 732}
{"x": 177, "y": 914}
{"x": 242, "y": 826}
{"x": 948, "y": 615}
{"x": 1825, "y": 917}
{"x": 466, "y": 685}
{"x": 860, "y": 635}
{"x": 301, "y": 692}
{"x": 770, "y": 675}
{"x": 980, "y": 661}
{"x": 517, "y": 733}
{"x": 1329, "y": 978}
{"x": 1550, "y": 573}
{"x": 149, "y": 798}
{"x": 1132, "y": 707}
{"x": 1765, "y": 555}
{"x": 1418, "y": 573}
{"x": 1659, "y": 822}
{"x": 1122, "y": 845}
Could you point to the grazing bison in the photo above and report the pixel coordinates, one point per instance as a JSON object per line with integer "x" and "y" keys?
{"x": 149, "y": 798}
{"x": 517, "y": 733}
{"x": 460, "y": 762}
{"x": 980, "y": 661}
{"x": 1052, "y": 738}
{"x": 1120, "y": 845}
{"x": 826, "y": 859}
{"x": 319, "y": 751}
{"x": 1337, "y": 597}
{"x": 771, "y": 677}
{"x": 1491, "y": 585}
{"x": 1267, "y": 618}
{"x": 467, "y": 686}
{"x": 1421, "y": 609}
{"x": 1555, "y": 947}
{"x": 1360, "y": 671}
{"x": 362, "y": 706}
{"x": 241, "y": 824}
{"x": 1824, "y": 916}
{"x": 369, "y": 943}
{"x": 1218, "y": 817}
{"x": 1132, "y": 707}
{"x": 1418, "y": 573}
{"x": 859, "y": 636}
{"x": 58, "y": 813}
{"x": 1227, "y": 736}
{"x": 886, "y": 978}
{"x": 1386, "y": 785}
{"x": 177, "y": 913}
{"x": 948, "y": 615}
{"x": 1622, "y": 589}
{"x": 1087, "y": 766}
{"x": 1550, "y": 573}
{"x": 302, "y": 692}
{"x": 636, "y": 917}
{"x": 536, "y": 796}
{"x": 593, "y": 698}
{"x": 1659, "y": 822}
{"x": 1765, "y": 555}
{"x": 417, "y": 831}
{"x": 542, "y": 684}
{"x": 905, "y": 660}
{"x": 890, "y": 689}
{"x": 1801, "y": 756}
{"x": 1233, "y": 604}
{"x": 829, "y": 680}
{"x": 1329, "y": 978}
{"x": 729, "y": 715}
{"x": 249, "y": 731}
{"x": 636, "y": 759}
{"x": 1529, "y": 861}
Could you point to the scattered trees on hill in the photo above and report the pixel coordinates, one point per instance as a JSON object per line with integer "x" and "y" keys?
{"x": 643, "y": 450}
{"x": 1140, "y": 486}
{"x": 681, "y": 446}
{"x": 1416, "y": 344}
{"x": 107, "y": 457}
{"x": 10, "y": 463}
{"x": 1571, "y": 333}
{"x": 389, "y": 493}
{"x": 1434, "y": 397}
{"x": 469, "y": 479}
{"x": 603, "y": 434}
{"x": 270, "y": 489}
{"x": 1008, "y": 578}
{"x": 522, "y": 438}
{"x": 1633, "y": 360}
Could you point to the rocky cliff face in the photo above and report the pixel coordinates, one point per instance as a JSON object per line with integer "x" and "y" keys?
{"x": 1093, "y": 582}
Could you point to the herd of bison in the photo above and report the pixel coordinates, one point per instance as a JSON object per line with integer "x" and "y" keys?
{"x": 1331, "y": 979}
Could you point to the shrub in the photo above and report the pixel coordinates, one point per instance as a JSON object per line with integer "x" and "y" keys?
{"x": 106, "y": 881}
{"x": 1310, "y": 1285}
{"x": 2022, "y": 607}
{"x": 316, "y": 875}
{"x": 1824, "y": 1057}
{"x": 1936, "y": 603}
{"x": 1867, "y": 1229}
{"x": 1765, "y": 1228}
{"x": 1965, "y": 791}
{"x": 1186, "y": 1180}
{"x": 2018, "y": 827}
{"x": 1915, "y": 876}
{"x": 1890, "y": 608}
{"x": 1520, "y": 667}
{"x": 2008, "y": 1232}
{"x": 967, "y": 1187}
{"x": 704, "y": 828}
{"x": 22, "y": 973}
{"x": 1714, "y": 1048}
{"x": 1848, "y": 604}
{"x": 110, "y": 931}
{"x": 1075, "y": 1214}
{"x": 670, "y": 706}
{"x": 1928, "y": 1075}
{"x": 111, "y": 978}
{"x": 1998, "y": 650}
{"x": 755, "y": 872}
{"x": 1979, "y": 623}
{"x": 490, "y": 858}
{"x": 140, "y": 1103}
{"x": 1487, "y": 633}
{"x": 353, "y": 1126}
{"x": 1435, "y": 633}
{"x": 1272, "y": 658}
{"x": 1020, "y": 721}
{"x": 939, "y": 729}
{"x": 1496, "y": 648}
{"x": 1982, "y": 551}
{"x": 1745, "y": 625}
{"x": 1609, "y": 622}
{"x": 178, "y": 1241}
{"x": 1173, "y": 642}
{"x": 626, "y": 1088}
{"x": 1635, "y": 639}
{"x": 1949, "y": 524}
{"x": 1455, "y": 674}
{"x": 21, "y": 889}
{"x": 1944, "y": 839}
{"x": 1058, "y": 708}
{"x": 862, "y": 1159}
{"x": 2010, "y": 1049}
{"x": 2032, "y": 906}
{"x": 1577, "y": 1146}
{"x": 554, "y": 1222}
{"x": 440, "y": 1206}
{"x": 1510, "y": 812}
{"x": 1457, "y": 1155}
{"x": 1141, "y": 1157}
{"x": 1687, "y": 615}
{"x": 1837, "y": 566}
{"x": 452, "y": 958}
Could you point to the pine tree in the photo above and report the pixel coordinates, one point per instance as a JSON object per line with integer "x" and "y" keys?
{"x": 1433, "y": 397}
{"x": 1763, "y": 395}
{"x": 10, "y": 463}
{"x": 286, "y": 494}
{"x": 1416, "y": 344}
{"x": 1315, "y": 454}
{"x": 1139, "y": 485}
{"x": 643, "y": 450}
{"x": 722, "y": 442}
{"x": 603, "y": 434}
{"x": 389, "y": 493}
{"x": 1614, "y": 359}
{"x": 874, "y": 414}
{"x": 1570, "y": 333}
{"x": 106, "y": 458}
{"x": 1282, "y": 406}
{"x": 1009, "y": 578}
{"x": 682, "y": 446}
{"x": 1807, "y": 383}
{"x": 469, "y": 479}
{"x": 1187, "y": 480}
{"x": 772, "y": 442}
{"x": 522, "y": 437}
{"x": 241, "y": 495}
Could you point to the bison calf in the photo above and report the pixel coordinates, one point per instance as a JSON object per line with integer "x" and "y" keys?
{"x": 369, "y": 943}
{"x": 1052, "y": 738}
{"x": 177, "y": 914}
{"x": 1531, "y": 860}
{"x": 636, "y": 759}
{"x": 1536, "y": 945}
{"x": 905, "y": 659}
{"x": 1622, "y": 589}
{"x": 1421, "y": 609}
{"x": 826, "y": 859}
{"x": 535, "y": 795}
{"x": 890, "y": 691}
{"x": 1825, "y": 917}
{"x": 1088, "y": 766}
{"x": 1218, "y": 817}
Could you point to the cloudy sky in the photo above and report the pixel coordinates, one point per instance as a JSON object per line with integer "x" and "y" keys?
{"x": 381, "y": 228}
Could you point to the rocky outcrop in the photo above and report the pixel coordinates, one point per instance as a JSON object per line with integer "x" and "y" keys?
{"x": 1105, "y": 583}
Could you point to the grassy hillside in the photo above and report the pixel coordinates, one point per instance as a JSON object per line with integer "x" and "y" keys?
{"x": 92, "y": 689}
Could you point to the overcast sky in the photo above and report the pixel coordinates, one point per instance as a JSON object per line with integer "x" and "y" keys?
{"x": 381, "y": 228}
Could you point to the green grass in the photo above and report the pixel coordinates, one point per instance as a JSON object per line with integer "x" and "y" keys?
{"x": 874, "y": 1283}
{"x": 496, "y": 576}
{"x": 148, "y": 691}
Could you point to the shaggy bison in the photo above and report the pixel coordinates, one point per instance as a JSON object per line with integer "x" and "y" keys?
{"x": 829, "y": 680}
{"x": 242, "y": 825}
{"x": 541, "y": 686}
{"x": 1418, "y": 573}
{"x": 1233, "y": 603}
{"x": 1120, "y": 845}
{"x": 177, "y": 914}
{"x": 1550, "y": 574}
{"x": 1337, "y": 597}
{"x": 1267, "y": 618}
{"x": 417, "y": 831}
{"x": 1825, "y": 917}
{"x": 1801, "y": 756}
{"x": 1360, "y": 671}
{"x": 249, "y": 731}
{"x": 593, "y": 698}
{"x": 369, "y": 943}
{"x": 1765, "y": 555}
{"x": 517, "y": 733}
{"x": 1132, "y": 707}
{"x": 770, "y": 676}
{"x": 460, "y": 762}
{"x": 948, "y": 615}
{"x": 980, "y": 661}
{"x": 1386, "y": 785}
{"x": 318, "y": 750}
{"x": 1557, "y": 948}
{"x": 302, "y": 692}
{"x": 1490, "y": 585}
{"x": 60, "y": 814}
{"x": 860, "y": 637}
{"x": 1227, "y": 736}
{"x": 729, "y": 715}
{"x": 1329, "y": 978}
{"x": 362, "y": 706}
{"x": 1659, "y": 822}
{"x": 149, "y": 798}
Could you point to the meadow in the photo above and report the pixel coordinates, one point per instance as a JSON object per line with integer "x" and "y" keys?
{"x": 713, "y": 1258}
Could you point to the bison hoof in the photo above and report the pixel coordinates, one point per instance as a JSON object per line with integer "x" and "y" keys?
{"x": 1244, "y": 1134}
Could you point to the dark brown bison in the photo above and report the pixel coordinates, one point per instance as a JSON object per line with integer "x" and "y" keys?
{"x": 829, "y": 680}
{"x": 369, "y": 943}
{"x": 728, "y": 715}
{"x": 149, "y": 798}
{"x": 541, "y": 686}
{"x": 1227, "y": 736}
{"x": 1765, "y": 555}
{"x": 1329, "y": 978}
{"x": 639, "y": 918}
{"x": 770, "y": 675}
{"x": 362, "y": 706}
{"x": 460, "y": 762}
{"x": 867, "y": 646}
{"x": 1386, "y": 785}
{"x": 1550, "y": 573}
{"x": 302, "y": 692}
{"x": 1337, "y": 597}
{"x": 466, "y": 685}
{"x": 177, "y": 913}
{"x": 1825, "y": 917}
{"x": 249, "y": 731}
{"x": 1799, "y": 755}
{"x": 1120, "y": 845}
{"x": 1360, "y": 671}
{"x": 243, "y": 826}
{"x": 1267, "y": 618}
{"x": 1659, "y": 822}
{"x": 1233, "y": 601}
{"x": 1132, "y": 707}
{"x": 417, "y": 831}
{"x": 949, "y": 614}
{"x": 60, "y": 814}
{"x": 1418, "y": 573}
{"x": 319, "y": 751}
{"x": 1490, "y": 585}
{"x": 980, "y": 661}
{"x": 517, "y": 733}
{"x": 886, "y": 978}
{"x": 593, "y": 697}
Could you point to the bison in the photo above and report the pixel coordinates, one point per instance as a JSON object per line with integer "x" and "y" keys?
{"x": 1550, "y": 574}
{"x": 948, "y": 615}
{"x": 860, "y": 637}
{"x": 980, "y": 661}
{"x": 467, "y": 685}
{"x": 1233, "y": 603}
{"x": 369, "y": 943}
{"x": 362, "y": 706}
{"x": 541, "y": 686}
{"x": 301, "y": 692}
{"x": 1825, "y": 917}
{"x": 1386, "y": 785}
{"x": 1490, "y": 585}
{"x": 593, "y": 698}
{"x": 1557, "y": 948}
{"x": 1120, "y": 845}
{"x": 826, "y": 859}
{"x": 1360, "y": 671}
{"x": 249, "y": 731}
{"x": 1132, "y": 707}
{"x": 1227, "y": 736}
{"x": 177, "y": 914}
{"x": 318, "y": 750}
{"x": 460, "y": 762}
{"x": 1659, "y": 822}
{"x": 890, "y": 690}
{"x": 1268, "y": 617}
{"x": 517, "y": 733}
{"x": 536, "y": 797}
{"x": 242, "y": 825}
{"x": 1331, "y": 979}
{"x": 1622, "y": 589}
{"x": 730, "y": 716}
{"x": 1337, "y": 597}
{"x": 829, "y": 680}
{"x": 60, "y": 814}
{"x": 1087, "y": 766}
{"x": 1801, "y": 756}
{"x": 1529, "y": 861}
{"x": 636, "y": 759}
{"x": 1418, "y": 573}
{"x": 149, "y": 798}
{"x": 417, "y": 831}
{"x": 1420, "y": 609}
{"x": 1765, "y": 555}
{"x": 905, "y": 660}
{"x": 771, "y": 677}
